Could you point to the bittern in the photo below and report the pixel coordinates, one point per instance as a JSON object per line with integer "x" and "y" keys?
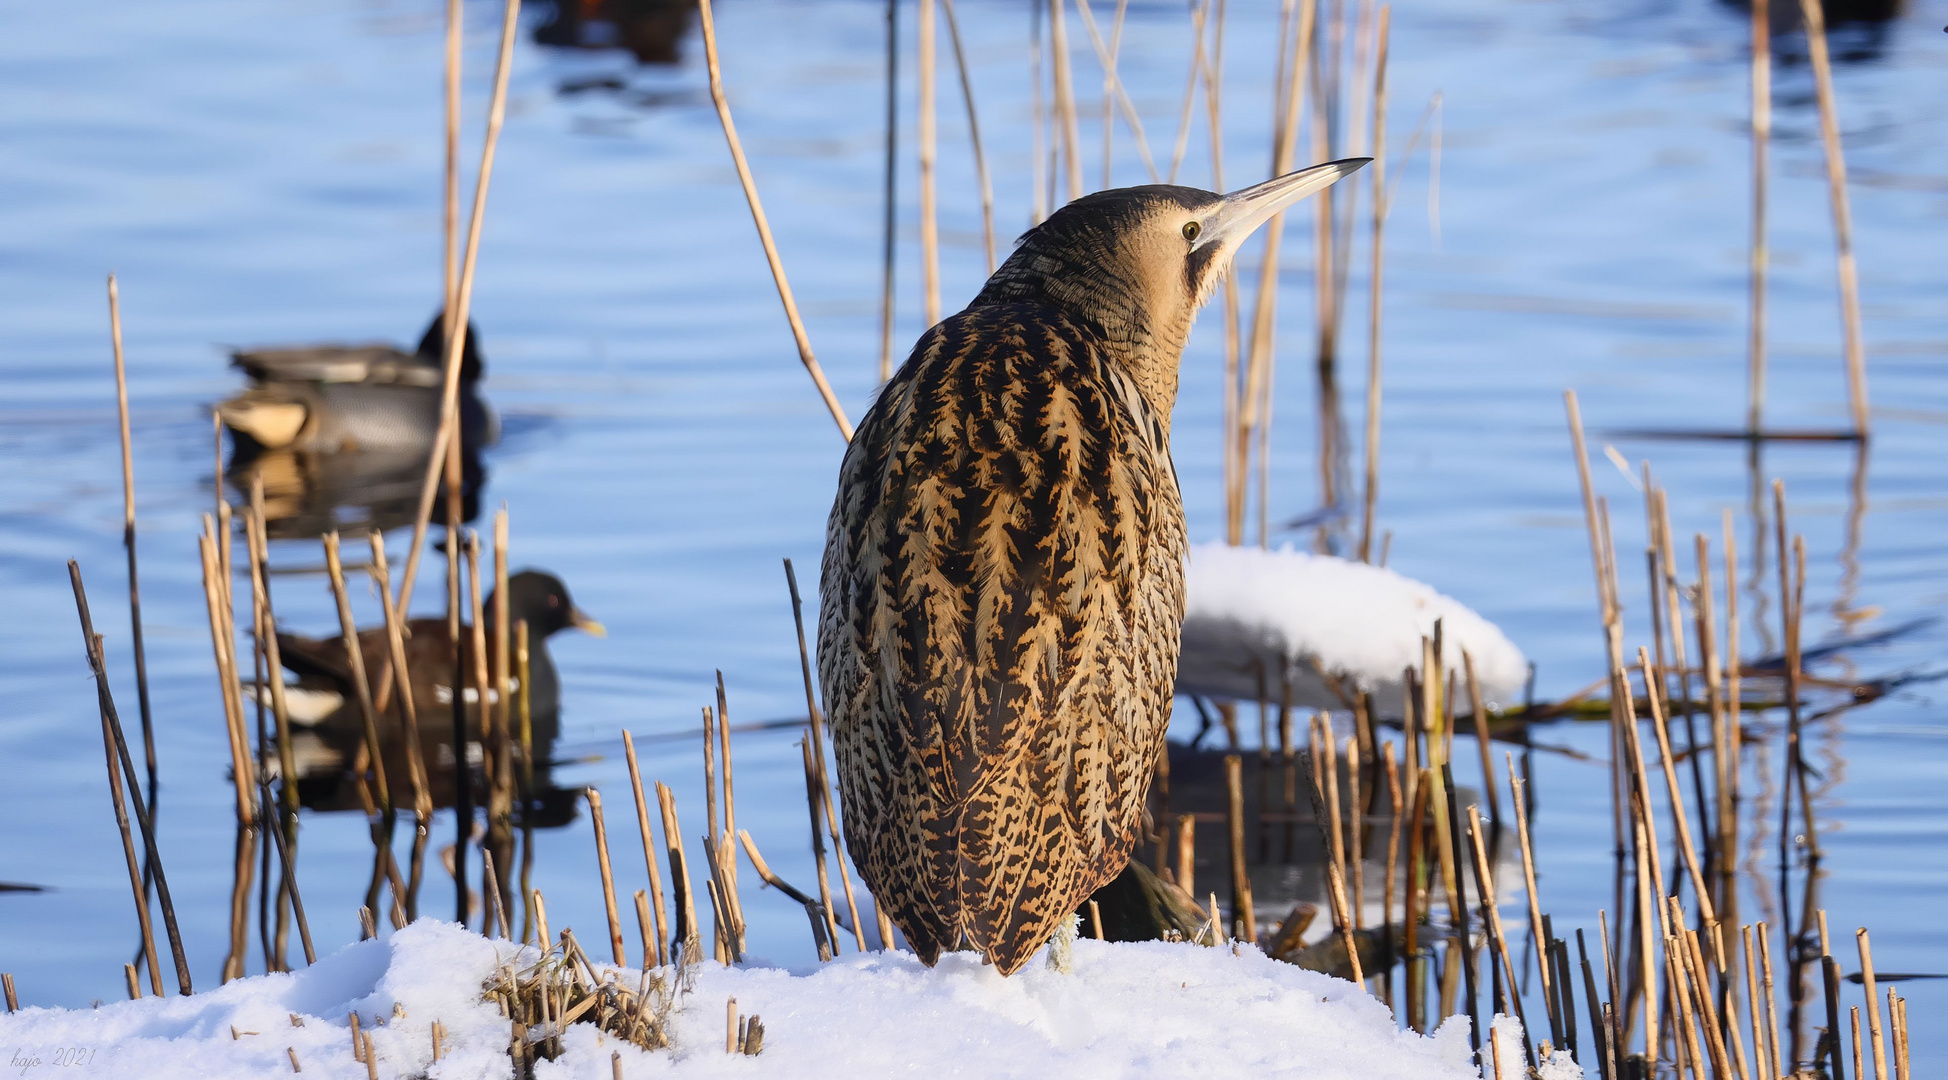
{"x": 1003, "y": 582}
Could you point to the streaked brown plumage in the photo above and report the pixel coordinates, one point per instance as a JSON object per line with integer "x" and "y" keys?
{"x": 1003, "y": 575}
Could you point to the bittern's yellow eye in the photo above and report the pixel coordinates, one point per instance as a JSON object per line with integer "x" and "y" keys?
{"x": 1191, "y": 229}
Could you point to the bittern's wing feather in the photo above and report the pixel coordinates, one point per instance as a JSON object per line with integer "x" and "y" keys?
{"x": 1002, "y": 590}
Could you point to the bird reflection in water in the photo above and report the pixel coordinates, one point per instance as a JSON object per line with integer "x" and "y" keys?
{"x": 651, "y": 30}
{"x": 340, "y": 434}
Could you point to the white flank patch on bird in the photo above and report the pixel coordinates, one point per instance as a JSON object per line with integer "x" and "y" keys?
{"x": 1255, "y": 615}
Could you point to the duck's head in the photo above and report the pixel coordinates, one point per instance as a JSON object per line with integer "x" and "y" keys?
{"x": 540, "y": 599}
{"x": 432, "y": 348}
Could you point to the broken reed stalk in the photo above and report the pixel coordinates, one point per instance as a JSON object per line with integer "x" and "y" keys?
{"x": 649, "y": 853}
{"x": 119, "y": 754}
{"x": 764, "y": 227}
{"x": 594, "y": 798}
{"x": 297, "y": 901}
{"x": 1515, "y": 786}
{"x": 128, "y": 844}
{"x": 1325, "y": 789}
{"x": 1485, "y": 883}
{"x": 1873, "y": 1002}
{"x": 1064, "y": 104}
{"x": 475, "y": 669}
{"x": 1259, "y": 354}
{"x": 816, "y": 750}
{"x": 1106, "y": 56}
{"x": 820, "y": 935}
{"x": 1607, "y": 603}
{"x": 813, "y": 801}
{"x": 1378, "y": 168}
{"x": 1761, "y": 136}
{"x": 724, "y": 756}
{"x": 1660, "y": 727}
{"x": 1836, "y": 181}
{"x": 929, "y": 212}
{"x": 683, "y": 895}
{"x": 128, "y": 537}
{"x": 1395, "y": 803}
{"x": 355, "y": 659}
{"x": 973, "y": 132}
{"x": 1482, "y": 740}
{"x": 710, "y": 778}
{"x": 460, "y": 299}
{"x": 402, "y": 680}
{"x": 889, "y": 240}
{"x": 1241, "y": 906}
{"x": 222, "y": 642}
{"x": 257, "y": 545}
{"x": 1186, "y": 868}
{"x": 502, "y": 800}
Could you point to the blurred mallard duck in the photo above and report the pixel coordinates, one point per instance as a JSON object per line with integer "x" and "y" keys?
{"x": 332, "y": 398}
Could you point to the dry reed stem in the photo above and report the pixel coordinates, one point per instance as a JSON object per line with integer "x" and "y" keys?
{"x": 1605, "y": 601}
{"x": 973, "y": 132}
{"x": 1064, "y": 104}
{"x": 128, "y": 534}
{"x": 1515, "y": 786}
{"x": 257, "y": 544}
{"x": 820, "y": 937}
{"x": 813, "y": 801}
{"x": 889, "y": 240}
{"x": 1660, "y": 727}
{"x": 1186, "y": 867}
{"x": 929, "y": 213}
{"x": 1485, "y": 879}
{"x": 1106, "y": 56}
{"x": 240, "y": 769}
{"x": 1241, "y": 906}
{"x": 116, "y": 748}
{"x": 1259, "y": 356}
{"x": 496, "y": 911}
{"x": 710, "y": 777}
{"x": 355, "y": 659}
{"x": 816, "y": 752}
{"x": 128, "y": 846}
{"x": 503, "y": 795}
{"x": 594, "y": 798}
{"x": 1752, "y": 1000}
{"x": 1394, "y": 804}
{"x": 460, "y": 299}
{"x": 402, "y": 679}
{"x": 1873, "y": 1001}
{"x": 1836, "y": 181}
{"x": 477, "y": 668}
{"x": 1198, "y": 9}
{"x": 1761, "y": 136}
{"x": 730, "y": 790}
{"x": 684, "y": 896}
{"x": 649, "y": 854}
{"x": 1375, "y": 291}
{"x": 1355, "y": 830}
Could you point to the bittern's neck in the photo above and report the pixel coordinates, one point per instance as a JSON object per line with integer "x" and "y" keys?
{"x": 1095, "y": 294}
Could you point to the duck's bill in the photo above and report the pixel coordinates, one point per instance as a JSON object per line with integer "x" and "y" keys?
{"x": 579, "y": 619}
{"x": 1242, "y": 211}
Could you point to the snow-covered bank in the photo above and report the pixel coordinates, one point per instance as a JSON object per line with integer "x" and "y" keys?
{"x": 1126, "y": 1011}
{"x": 1254, "y": 618}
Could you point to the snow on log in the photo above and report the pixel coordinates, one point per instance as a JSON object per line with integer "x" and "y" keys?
{"x": 1258, "y": 622}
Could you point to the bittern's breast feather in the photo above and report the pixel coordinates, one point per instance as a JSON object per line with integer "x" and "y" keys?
{"x": 1002, "y": 590}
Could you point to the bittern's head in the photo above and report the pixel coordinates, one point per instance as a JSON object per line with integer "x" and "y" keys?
{"x": 1138, "y": 262}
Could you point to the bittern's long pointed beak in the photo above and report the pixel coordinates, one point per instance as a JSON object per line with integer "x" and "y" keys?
{"x": 1243, "y": 211}
{"x": 579, "y": 619}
